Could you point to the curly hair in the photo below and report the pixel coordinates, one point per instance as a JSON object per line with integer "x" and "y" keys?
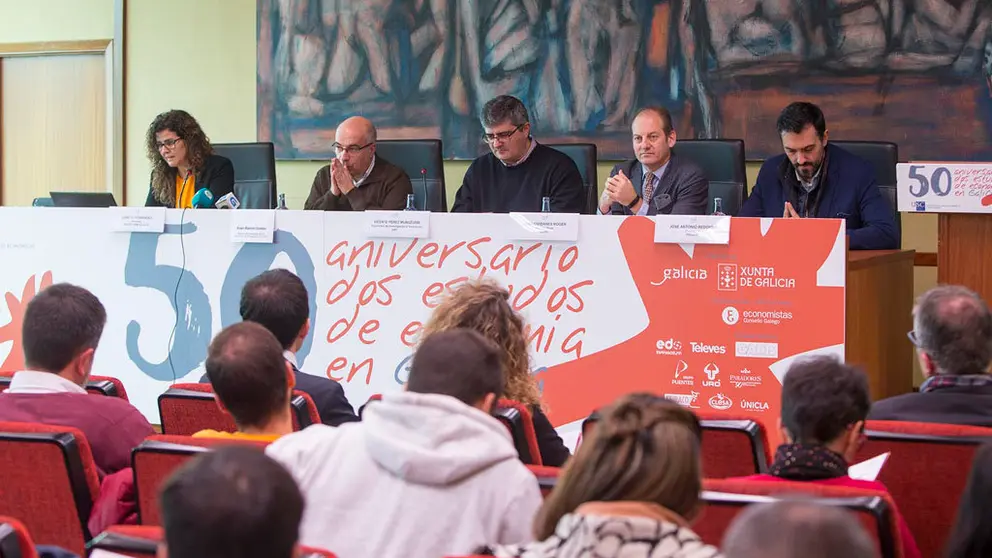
{"x": 198, "y": 148}
{"x": 485, "y": 307}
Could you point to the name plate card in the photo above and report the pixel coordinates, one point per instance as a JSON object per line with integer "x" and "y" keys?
{"x": 137, "y": 219}
{"x": 545, "y": 226}
{"x": 692, "y": 229}
{"x": 253, "y": 225}
{"x": 398, "y": 224}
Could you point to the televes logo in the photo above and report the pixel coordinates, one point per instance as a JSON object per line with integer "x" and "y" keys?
{"x": 708, "y": 349}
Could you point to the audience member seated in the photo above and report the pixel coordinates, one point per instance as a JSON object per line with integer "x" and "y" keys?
{"x": 357, "y": 179}
{"x": 485, "y": 308}
{"x": 797, "y": 529}
{"x": 824, "y": 405}
{"x": 278, "y": 300}
{"x": 815, "y": 179}
{"x": 252, "y": 382}
{"x": 631, "y": 490}
{"x": 952, "y": 331}
{"x": 232, "y": 502}
{"x": 519, "y": 172}
{"x": 972, "y": 532}
{"x": 183, "y": 162}
{"x": 428, "y": 472}
{"x": 666, "y": 184}
{"x": 60, "y": 332}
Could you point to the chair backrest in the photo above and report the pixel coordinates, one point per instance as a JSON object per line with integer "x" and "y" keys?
{"x": 547, "y": 477}
{"x": 723, "y": 162}
{"x": 733, "y": 448}
{"x": 584, "y": 155}
{"x": 141, "y": 541}
{"x": 723, "y": 499}
{"x": 414, "y": 156}
{"x": 185, "y": 409}
{"x": 15, "y": 541}
{"x": 49, "y": 482}
{"x": 158, "y": 456}
{"x": 883, "y": 157}
{"x": 926, "y": 472}
{"x": 518, "y": 420}
{"x": 43, "y": 202}
{"x": 254, "y": 172}
{"x": 97, "y": 385}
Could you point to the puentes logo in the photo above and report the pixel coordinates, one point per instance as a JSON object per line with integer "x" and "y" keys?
{"x": 730, "y": 315}
{"x": 679, "y": 273}
{"x": 708, "y": 349}
{"x": 745, "y": 378}
{"x": 754, "y": 405}
{"x": 687, "y": 400}
{"x": 712, "y": 371}
{"x": 669, "y": 347}
{"x": 681, "y": 378}
{"x": 721, "y": 402}
{"x": 754, "y": 349}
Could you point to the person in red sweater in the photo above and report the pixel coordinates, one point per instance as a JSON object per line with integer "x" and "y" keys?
{"x": 824, "y": 406}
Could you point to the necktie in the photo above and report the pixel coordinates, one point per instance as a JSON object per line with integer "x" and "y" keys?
{"x": 648, "y": 188}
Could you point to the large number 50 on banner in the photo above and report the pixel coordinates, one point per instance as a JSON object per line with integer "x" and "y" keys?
{"x": 945, "y": 187}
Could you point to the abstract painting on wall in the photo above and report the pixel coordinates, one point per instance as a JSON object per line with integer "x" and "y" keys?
{"x": 915, "y": 72}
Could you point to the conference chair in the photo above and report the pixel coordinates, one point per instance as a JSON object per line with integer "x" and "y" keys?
{"x": 49, "y": 482}
{"x": 926, "y": 472}
{"x": 723, "y": 162}
{"x": 584, "y": 155}
{"x": 518, "y": 420}
{"x": 883, "y": 157}
{"x": 723, "y": 499}
{"x": 139, "y": 541}
{"x": 97, "y": 385}
{"x": 733, "y": 447}
{"x": 422, "y": 161}
{"x": 15, "y": 541}
{"x": 547, "y": 477}
{"x": 254, "y": 172}
{"x": 185, "y": 409}
{"x": 42, "y": 202}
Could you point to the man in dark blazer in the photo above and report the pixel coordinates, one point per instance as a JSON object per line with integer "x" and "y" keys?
{"x": 814, "y": 179}
{"x": 952, "y": 331}
{"x": 657, "y": 182}
{"x": 278, "y": 300}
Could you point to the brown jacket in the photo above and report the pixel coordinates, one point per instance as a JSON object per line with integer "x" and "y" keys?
{"x": 386, "y": 187}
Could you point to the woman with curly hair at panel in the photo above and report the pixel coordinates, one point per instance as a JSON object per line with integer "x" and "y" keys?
{"x": 631, "y": 490}
{"x": 183, "y": 162}
{"x": 485, "y": 308}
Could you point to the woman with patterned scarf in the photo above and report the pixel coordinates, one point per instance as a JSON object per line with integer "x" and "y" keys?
{"x": 824, "y": 406}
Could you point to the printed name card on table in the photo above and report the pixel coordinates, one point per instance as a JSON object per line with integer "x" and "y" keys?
{"x": 545, "y": 226}
{"x": 692, "y": 229}
{"x": 944, "y": 187}
{"x": 397, "y": 224}
{"x": 253, "y": 225}
{"x": 137, "y": 219}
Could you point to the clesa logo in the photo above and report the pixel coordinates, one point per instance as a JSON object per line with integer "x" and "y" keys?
{"x": 721, "y": 402}
{"x": 712, "y": 371}
{"x": 679, "y": 273}
{"x": 754, "y": 405}
{"x": 669, "y": 347}
{"x": 708, "y": 349}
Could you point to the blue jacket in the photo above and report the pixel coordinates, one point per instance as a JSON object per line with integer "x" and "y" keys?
{"x": 848, "y": 191}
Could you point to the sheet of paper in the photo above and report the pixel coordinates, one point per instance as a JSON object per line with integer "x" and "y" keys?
{"x": 397, "y": 224}
{"x": 137, "y": 219}
{"x": 253, "y": 225}
{"x": 545, "y": 226}
{"x": 868, "y": 469}
{"x": 692, "y": 229}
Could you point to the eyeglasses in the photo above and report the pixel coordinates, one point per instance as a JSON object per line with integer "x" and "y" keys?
{"x": 912, "y": 338}
{"x": 169, "y": 143}
{"x": 489, "y": 138}
{"x": 338, "y": 148}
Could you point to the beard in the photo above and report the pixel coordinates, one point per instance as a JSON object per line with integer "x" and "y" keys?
{"x": 809, "y": 170}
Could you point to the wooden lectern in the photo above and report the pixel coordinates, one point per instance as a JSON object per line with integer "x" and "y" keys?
{"x": 964, "y": 251}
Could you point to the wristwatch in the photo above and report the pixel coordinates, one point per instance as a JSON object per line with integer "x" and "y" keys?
{"x": 637, "y": 198}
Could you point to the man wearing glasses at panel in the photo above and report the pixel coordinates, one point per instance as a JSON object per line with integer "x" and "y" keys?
{"x": 356, "y": 179}
{"x": 519, "y": 173}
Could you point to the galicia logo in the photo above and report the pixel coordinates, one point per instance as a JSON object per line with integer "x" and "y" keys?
{"x": 695, "y": 274}
{"x": 721, "y": 402}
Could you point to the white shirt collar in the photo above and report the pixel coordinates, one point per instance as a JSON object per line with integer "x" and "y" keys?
{"x": 291, "y": 357}
{"x": 30, "y": 381}
{"x": 368, "y": 171}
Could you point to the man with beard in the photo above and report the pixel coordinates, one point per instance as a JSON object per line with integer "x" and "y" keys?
{"x": 814, "y": 179}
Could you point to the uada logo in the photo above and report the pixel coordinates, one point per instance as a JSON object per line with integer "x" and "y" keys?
{"x": 693, "y": 273}
{"x": 708, "y": 349}
{"x": 721, "y": 402}
{"x": 669, "y": 347}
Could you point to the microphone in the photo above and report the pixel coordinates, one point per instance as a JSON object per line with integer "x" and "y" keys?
{"x": 228, "y": 201}
{"x": 423, "y": 178}
{"x": 203, "y": 199}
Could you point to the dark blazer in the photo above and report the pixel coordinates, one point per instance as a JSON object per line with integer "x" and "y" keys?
{"x": 964, "y": 405}
{"x": 217, "y": 174}
{"x": 849, "y": 191}
{"x": 327, "y": 395}
{"x": 683, "y": 190}
{"x": 553, "y": 450}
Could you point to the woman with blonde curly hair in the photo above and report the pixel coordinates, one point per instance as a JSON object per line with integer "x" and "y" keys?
{"x": 183, "y": 162}
{"x": 485, "y": 308}
{"x": 631, "y": 490}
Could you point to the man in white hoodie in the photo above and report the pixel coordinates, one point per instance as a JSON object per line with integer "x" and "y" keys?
{"x": 427, "y": 473}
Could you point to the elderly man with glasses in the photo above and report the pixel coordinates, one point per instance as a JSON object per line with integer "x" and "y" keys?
{"x": 518, "y": 173}
{"x": 357, "y": 179}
